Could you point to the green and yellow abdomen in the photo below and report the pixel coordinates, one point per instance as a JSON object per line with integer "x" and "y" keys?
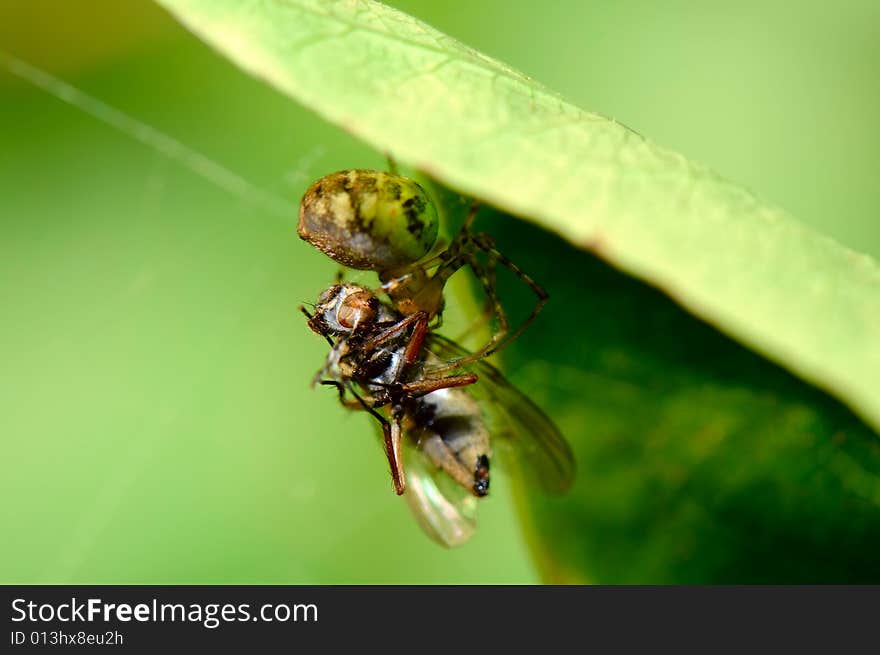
{"x": 368, "y": 220}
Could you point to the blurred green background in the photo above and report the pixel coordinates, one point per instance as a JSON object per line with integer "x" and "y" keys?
{"x": 157, "y": 424}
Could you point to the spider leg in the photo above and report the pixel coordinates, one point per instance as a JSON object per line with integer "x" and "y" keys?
{"x": 485, "y": 243}
{"x": 488, "y": 310}
{"x": 392, "y": 165}
{"x": 486, "y": 275}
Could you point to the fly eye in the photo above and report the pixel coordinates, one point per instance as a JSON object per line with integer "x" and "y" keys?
{"x": 357, "y": 309}
{"x": 347, "y": 317}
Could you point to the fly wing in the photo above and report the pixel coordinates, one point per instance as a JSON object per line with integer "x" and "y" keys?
{"x": 443, "y": 509}
{"x": 540, "y": 449}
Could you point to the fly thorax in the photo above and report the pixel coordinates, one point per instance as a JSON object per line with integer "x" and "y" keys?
{"x": 392, "y": 361}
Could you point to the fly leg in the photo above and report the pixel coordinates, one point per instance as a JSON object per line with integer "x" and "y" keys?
{"x": 419, "y": 388}
{"x": 391, "y": 437}
{"x": 350, "y": 403}
{"x": 422, "y": 386}
{"x": 416, "y": 340}
{"x": 310, "y": 317}
{"x": 419, "y": 321}
{"x": 391, "y": 432}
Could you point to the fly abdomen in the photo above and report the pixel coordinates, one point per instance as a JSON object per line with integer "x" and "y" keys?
{"x": 455, "y": 437}
{"x": 481, "y": 476}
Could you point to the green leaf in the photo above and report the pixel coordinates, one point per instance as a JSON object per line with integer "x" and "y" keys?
{"x": 699, "y": 460}
{"x": 491, "y": 132}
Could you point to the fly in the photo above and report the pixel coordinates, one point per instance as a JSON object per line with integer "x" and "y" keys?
{"x": 438, "y": 429}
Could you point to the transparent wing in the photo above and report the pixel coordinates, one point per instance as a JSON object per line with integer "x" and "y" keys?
{"x": 444, "y": 510}
{"x": 540, "y": 449}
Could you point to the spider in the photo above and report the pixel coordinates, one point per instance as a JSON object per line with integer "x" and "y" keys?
{"x": 385, "y": 222}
